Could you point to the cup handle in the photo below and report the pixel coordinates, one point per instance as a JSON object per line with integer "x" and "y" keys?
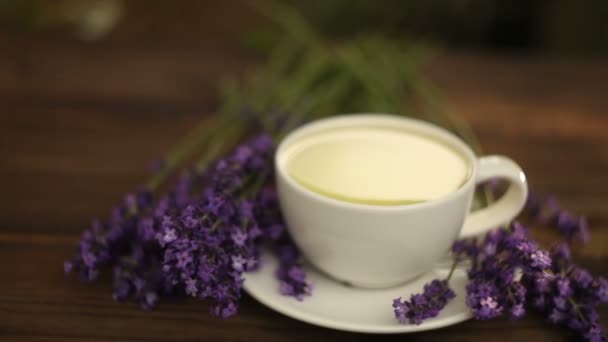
{"x": 505, "y": 208}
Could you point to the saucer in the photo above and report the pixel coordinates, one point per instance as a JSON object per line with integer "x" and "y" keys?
{"x": 338, "y": 306}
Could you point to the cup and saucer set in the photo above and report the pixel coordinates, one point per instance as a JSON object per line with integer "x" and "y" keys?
{"x": 359, "y": 257}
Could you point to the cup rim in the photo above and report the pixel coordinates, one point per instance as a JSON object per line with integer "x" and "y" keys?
{"x": 358, "y": 119}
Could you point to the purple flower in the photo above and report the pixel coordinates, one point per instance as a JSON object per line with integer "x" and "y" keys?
{"x": 602, "y": 290}
{"x": 518, "y": 231}
{"x": 582, "y": 277}
{"x": 488, "y": 309}
{"x": 146, "y": 229}
{"x": 563, "y": 286}
{"x": 434, "y": 298}
{"x": 557, "y": 316}
{"x": 224, "y": 310}
{"x": 239, "y": 237}
{"x": 560, "y": 303}
{"x": 139, "y": 284}
{"x": 184, "y": 243}
{"x": 239, "y": 262}
{"x": 214, "y": 202}
{"x": 292, "y": 281}
{"x": 518, "y": 311}
{"x": 89, "y": 259}
{"x": 545, "y": 210}
{"x": 246, "y": 210}
{"x": 540, "y": 259}
{"x": 254, "y": 232}
{"x": 205, "y": 272}
{"x": 518, "y": 291}
{"x": 149, "y": 300}
{"x": 401, "y": 310}
{"x": 460, "y": 246}
{"x": 169, "y": 235}
{"x": 506, "y": 275}
{"x": 297, "y": 273}
{"x": 542, "y": 282}
{"x": 162, "y": 207}
{"x": 527, "y": 247}
{"x": 561, "y": 253}
{"x": 489, "y": 248}
{"x": 167, "y": 222}
{"x": 262, "y": 143}
{"x": 191, "y": 288}
{"x": 183, "y": 259}
{"x": 191, "y": 222}
{"x": 286, "y": 289}
{"x": 594, "y": 333}
{"x": 242, "y": 154}
{"x": 290, "y": 273}
{"x": 275, "y": 231}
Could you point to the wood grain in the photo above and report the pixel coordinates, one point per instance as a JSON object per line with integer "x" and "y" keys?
{"x": 80, "y": 123}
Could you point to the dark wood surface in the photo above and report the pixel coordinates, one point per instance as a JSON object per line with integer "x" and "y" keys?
{"x": 80, "y": 122}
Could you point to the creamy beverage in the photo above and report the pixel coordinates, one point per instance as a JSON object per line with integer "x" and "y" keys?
{"x": 374, "y": 165}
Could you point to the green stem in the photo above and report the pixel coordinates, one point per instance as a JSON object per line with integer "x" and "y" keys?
{"x": 453, "y": 268}
{"x": 216, "y": 224}
{"x": 263, "y": 96}
{"x": 329, "y": 92}
{"x": 246, "y": 181}
{"x": 291, "y": 22}
{"x": 577, "y": 309}
{"x": 378, "y": 99}
{"x": 182, "y": 150}
{"x": 256, "y": 185}
{"x": 224, "y": 136}
{"x": 302, "y": 81}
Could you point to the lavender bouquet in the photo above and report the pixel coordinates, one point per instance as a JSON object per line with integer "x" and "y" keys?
{"x": 194, "y": 230}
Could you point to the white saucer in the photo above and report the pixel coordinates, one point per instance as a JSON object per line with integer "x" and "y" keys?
{"x": 338, "y": 306}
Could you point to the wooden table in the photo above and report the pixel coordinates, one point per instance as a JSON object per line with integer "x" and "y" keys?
{"x": 80, "y": 122}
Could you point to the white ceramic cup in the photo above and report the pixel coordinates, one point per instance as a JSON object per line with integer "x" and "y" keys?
{"x": 378, "y": 246}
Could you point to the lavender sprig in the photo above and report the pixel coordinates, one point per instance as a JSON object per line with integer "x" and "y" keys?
{"x": 499, "y": 263}
{"x": 511, "y": 274}
{"x": 546, "y": 211}
{"x": 125, "y": 243}
{"x": 290, "y": 272}
{"x": 435, "y": 297}
{"x": 197, "y": 239}
{"x": 569, "y": 295}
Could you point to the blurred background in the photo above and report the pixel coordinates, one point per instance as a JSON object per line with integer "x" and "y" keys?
{"x": 93, "y": 91}
{"x": 560, "y": 26}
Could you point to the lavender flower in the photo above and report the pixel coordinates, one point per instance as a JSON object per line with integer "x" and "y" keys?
{"x": 122, "y": 244}
{"x": 546, "y": 210}
{"x": 495, "y": 286}
{"x": 211, "y": 241}
{"x": 422, "y": 306}
{"x": 569, "y": 297}
{"x": 291, "y": 275}
{"x": 483, "y": 299}
{"x": 510, "y": 273}
{"x": 196, "y": 240}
